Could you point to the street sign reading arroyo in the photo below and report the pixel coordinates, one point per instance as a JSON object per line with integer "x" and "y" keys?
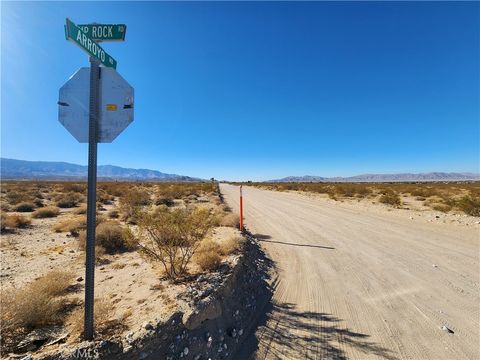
{"x": 105, "y": 32}
{"x": 116, "y": 105}
{"x": 87, "y": 43}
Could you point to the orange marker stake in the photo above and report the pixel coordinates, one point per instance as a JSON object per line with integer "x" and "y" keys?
{"x": 241, "y": 209}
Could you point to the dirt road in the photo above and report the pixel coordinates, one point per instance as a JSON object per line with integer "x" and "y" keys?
{"x": 362, "y": 285}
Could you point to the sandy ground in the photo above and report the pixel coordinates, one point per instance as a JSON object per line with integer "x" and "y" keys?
{"x": 133, "y": 284}
{"x": 364, "y": 282}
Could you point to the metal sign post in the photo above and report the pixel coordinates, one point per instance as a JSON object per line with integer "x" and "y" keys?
{"x": 109, "y": 100}
{"x": 91, "y": 196}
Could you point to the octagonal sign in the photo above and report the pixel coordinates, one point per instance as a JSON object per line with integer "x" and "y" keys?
{"x": 116, "y": 105}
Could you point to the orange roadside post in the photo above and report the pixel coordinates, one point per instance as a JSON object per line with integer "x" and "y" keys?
{"x": 241, "y": 209}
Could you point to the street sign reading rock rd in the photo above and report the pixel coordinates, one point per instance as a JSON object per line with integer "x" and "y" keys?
{"x": 85, "y": 42}
{"x": 105, "y": 32}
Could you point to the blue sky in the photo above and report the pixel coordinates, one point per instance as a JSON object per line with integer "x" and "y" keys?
{"x": 258, "y": 90}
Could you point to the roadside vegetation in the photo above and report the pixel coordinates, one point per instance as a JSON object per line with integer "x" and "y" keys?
{"x": 440, "y": 196}
{"x": 171, "y": 226}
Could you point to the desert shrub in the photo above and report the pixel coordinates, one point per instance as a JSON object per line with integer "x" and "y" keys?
{"x": 113, "y": 214}
{"x": 38, "y": 202}
{"x": 15, "y": 197}
{"x": 4, "y": 207}
{"x": 81, "y": 210}
{"x": 35, "y": 305}
{"x": 162, "y": 200}
{"x": 72, "y": 225}
{"x": 172, "y": 237}
{"x": 74, "y": 187}
{"x": 25, "y": 207}
{"x": 207, "y": 256}
{"x": 15, "y": 221}
{"x": 114, "y": 189}
{"x": 423, "y": 191}
{"x": 69, "y": 200}
{"x": 208, "y": 261}
{"x": 390, "y": 198}
{"x": 103, "y": 317}
{"x": 111, "y": 237}
{"x": 469, "y": 205}
{"x": 131, "y": 203}
{"x": 104, "y": 197}
{"x": 441, "y": 207}
{"x": 231, "y": 245}
{"x": 230, "y": 219}
{"x": 46, "y": 212}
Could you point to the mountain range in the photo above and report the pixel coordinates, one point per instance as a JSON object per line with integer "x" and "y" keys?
{"x": 431, "y": 176}
{"x": 49, "y": 170}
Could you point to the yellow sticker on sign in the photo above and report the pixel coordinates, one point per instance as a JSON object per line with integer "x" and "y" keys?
{"x": 111, "y": 107}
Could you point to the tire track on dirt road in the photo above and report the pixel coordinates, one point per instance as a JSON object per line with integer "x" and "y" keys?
{"x": 360, "y": 284}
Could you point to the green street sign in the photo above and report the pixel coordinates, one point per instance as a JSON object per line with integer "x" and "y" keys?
{"x": 105, "y": 32}
{"x": 85, "y": 42}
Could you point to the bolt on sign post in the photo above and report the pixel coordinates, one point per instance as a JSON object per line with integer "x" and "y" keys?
{"x": 241, "y": 209}
{"x": 109, "y": 100}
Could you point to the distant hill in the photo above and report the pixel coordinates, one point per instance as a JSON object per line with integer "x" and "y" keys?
{"x": 433, "y": 176}
{"x": 48, "y": 170}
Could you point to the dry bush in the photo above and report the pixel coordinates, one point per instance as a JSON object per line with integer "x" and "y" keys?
{"x": 46, "y": 212}
{"x": 231, "y": 245}
{"x": 162, "y": 200}
{"x": 72, "y": 225}
{"x": 15, "y": 197}
{"x": 230, "y": 219}
{"x": 111, "y": 237}
{"x": 469, "y": 205}
{"x": 104, "y": 197}
{"x": 81, "y": 210}
{"x": 172, "y": 237}
{"x": 35, "y": 305}
{"x": 74, "y": 187}
{"x": 15, "y": 221}
{"x": 38, "y": 202}
{"x": 441, "y": 207}
{"x": 5, "y": 207}
{"x": 390, "y": 198}
{"x": 103, "y": 318}
{"x": 69, "y": 200}
{"x": 114, "y": 188}
{"x": 208, "y": 256}
{"x": 113, "y": 214}
{"x": 131, "y": 203}
{"x": 25, "y": 207}
{"x": 208, "y": 261}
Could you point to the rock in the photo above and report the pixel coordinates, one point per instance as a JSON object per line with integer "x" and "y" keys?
{"x": 147, "y": 326}
{"x": 446, "y": 329}
{"x": 203, "y": 199}
{"x": 185, "y": 351}
{"x": 434, "y": 265}
{"x": 206, "y": 309}
{"x": 240, "y": 332}
{"x": 42, "y": 336}
{"x": 80, "y": 279}
{"x": 437, "y": 217}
